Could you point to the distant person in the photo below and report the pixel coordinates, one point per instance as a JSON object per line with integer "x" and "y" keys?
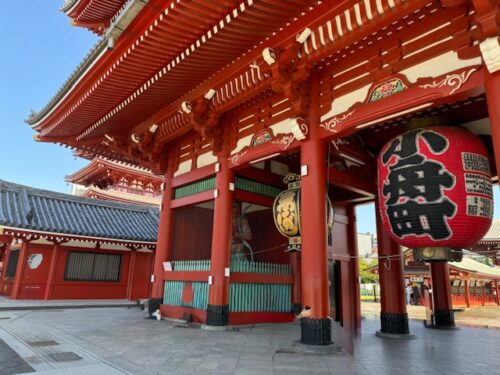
{"x": 416, "y": 294}
{"x": 409, "y": 291}
{"x": 424, "y": 287}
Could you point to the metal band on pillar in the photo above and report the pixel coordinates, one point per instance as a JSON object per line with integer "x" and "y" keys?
{"x": 393, "y": 315}
{"x": 443, "y": 309}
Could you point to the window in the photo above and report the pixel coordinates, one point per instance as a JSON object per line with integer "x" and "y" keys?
{"x": 84, "y": 266}
{"x": 12, "y": 265}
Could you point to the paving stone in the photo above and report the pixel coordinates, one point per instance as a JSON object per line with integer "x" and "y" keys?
{"x": 65, "y": 357}
{"x": 42, "y": 343}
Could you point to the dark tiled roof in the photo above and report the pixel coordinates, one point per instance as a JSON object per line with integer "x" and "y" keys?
{"x": 47, "y": 211}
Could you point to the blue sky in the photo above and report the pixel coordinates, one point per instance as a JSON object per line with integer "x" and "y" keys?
{"x": 39, "y": 51}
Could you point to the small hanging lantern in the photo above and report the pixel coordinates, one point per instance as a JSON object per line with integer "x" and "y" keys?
{"x": 434, "y": 190}
{"x": 286, "y": 212}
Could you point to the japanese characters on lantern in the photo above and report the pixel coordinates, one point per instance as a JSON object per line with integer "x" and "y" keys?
{"x": 435, "y": 188}
{"x": 286, "y": 212}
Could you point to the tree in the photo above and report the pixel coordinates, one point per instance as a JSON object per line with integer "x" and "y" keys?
{"x": 367, "y": 276}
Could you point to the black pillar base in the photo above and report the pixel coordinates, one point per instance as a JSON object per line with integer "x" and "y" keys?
{"x": 217, "y": 315}
{"x": 394, "y": 323}
{"x": 444, "y": 318}
{"x": 297, "y": 308}
{"x": 316, "y": 331}
{"x": 153, "y": 305}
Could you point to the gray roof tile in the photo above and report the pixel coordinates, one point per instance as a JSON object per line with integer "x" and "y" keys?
{"x": 42, "y": 210}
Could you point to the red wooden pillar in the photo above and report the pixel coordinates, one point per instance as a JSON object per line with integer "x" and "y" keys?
{"x": 467, "y": 293}
{"x": 296, "y": 294}
{"x": 393, "y": 315}
{"x": 5, "y": 260}
{"x": 218, "y": 301}
{"x": 316, "y": 329}
{"x": 130, "y": 278}
{"x": 492, "y": 86}
{"x": 163, "y": 244}
{"x": 354, "y": 265}
{"x": 21, "y": 262}
{"x": 441, "y": 294}
{"x": 52, "y": 271}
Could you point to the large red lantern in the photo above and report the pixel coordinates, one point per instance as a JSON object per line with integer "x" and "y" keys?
{"x": 434, "y": 188}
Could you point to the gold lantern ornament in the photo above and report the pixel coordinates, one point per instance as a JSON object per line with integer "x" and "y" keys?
{"x": 286, "y": 212}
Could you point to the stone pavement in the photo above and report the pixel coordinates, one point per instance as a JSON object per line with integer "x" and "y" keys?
{"x": 7, "y": 304}
{"x": 485, "y": 317}
{"x": 11, "y": 362}
{"x": 120, "y": 341}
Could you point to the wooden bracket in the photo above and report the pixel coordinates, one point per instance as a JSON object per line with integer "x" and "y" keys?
{"x": 486, "y": 17}
{"x": 289, "y": 75}
{"x": 204, "y": 121}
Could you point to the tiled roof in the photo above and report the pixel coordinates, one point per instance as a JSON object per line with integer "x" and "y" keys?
{"x": 34, "y": 209}
{"x": 122, "y": 196}
{"x": 470, "y": 265}
{"x": 493, "y": 233}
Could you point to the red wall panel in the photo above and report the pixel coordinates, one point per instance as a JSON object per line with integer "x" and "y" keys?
{"x": 89, "y": 289}
{"x": 266, "y": 239}
{"x": 34, "y": 279}
{"x": 141, "y": 276}
{"x": 192, "y": 233}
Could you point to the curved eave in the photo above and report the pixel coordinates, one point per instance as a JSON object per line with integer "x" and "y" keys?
{"x": 91, "y": 12}
{"x": 36, "y": 118}
{"x": 178, "y": 17}
{"x": 129, "y": 198}
{"x": 69, "y": 6}
{"x": 98, "y": 164}
{"x": 84, "y": 173}
{"x": 473, "y": 272}
{"x": 120, "y": 21}
{"x": 35, "y": 234}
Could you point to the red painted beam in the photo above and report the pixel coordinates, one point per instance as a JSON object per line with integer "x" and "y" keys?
{"x": 186, "y": 276}
{"x": 260, "y": 278}
{"x": 193, "y": 199}
{"x": 413, "y": 99}
{"x": 246, "y": 196}
{"x": 352, "y": 183}
{"x": 262, "y": 176}
{"x": 197, "y": 174}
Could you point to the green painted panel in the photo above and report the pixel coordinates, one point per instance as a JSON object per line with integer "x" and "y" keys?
{"x": 256, "y": 187}
{"x": 194, "y": 188}
{"x": 261, "y": 267}
{"x": 244, "y": 297}
{"x": 191, "y": 265}
{"x": 173, "y": 294}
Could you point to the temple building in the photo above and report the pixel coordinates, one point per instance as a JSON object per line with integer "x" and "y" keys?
{"x": 489, "y": 245}
{"x": 110, "y": 180}
{"x": 60, "y": 246}
{"x": 270, "y": 121}
{"x": 472, "y": 283}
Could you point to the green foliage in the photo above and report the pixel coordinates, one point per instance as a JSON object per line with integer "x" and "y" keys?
{"x": 366, "y": 276}
{"x": 485, "y": 260}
